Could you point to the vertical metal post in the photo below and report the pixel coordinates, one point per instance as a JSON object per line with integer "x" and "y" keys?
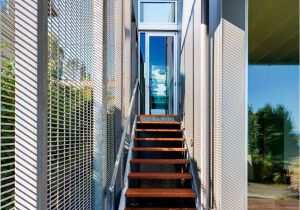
{"x": 31, "y": 104}
{"x": 99, "y": 105}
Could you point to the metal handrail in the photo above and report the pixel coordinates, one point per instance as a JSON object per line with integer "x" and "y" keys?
{"x": 111, "y": 189}
{"x": 196, "y": 182}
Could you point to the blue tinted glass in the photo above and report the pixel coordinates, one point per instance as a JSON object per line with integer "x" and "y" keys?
{"x": 142, "y": 46}
{"x": 3, "y": 5}
{"x": 142, "y": 56}
{"x": 161, "y": 63}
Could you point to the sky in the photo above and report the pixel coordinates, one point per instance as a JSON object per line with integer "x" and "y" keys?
{"x": 275, "y": 84}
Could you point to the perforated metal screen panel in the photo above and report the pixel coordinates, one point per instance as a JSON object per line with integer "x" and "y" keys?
{"x": 110, "y": 91}
{"x": 189, "y": 85}
{"x": 118, "y": 75}
{"x": 70, "y": 105}
{"x": 7, "y": 114}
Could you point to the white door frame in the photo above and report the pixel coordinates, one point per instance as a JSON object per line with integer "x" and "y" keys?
{"x": 146, "y": 70}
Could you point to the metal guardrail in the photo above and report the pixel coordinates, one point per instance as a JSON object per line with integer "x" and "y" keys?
{"x": 196, "y": 182}
{"x": 113, "y": 194}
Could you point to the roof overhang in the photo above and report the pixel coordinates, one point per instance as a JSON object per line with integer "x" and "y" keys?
{"x": 274, "y": 32}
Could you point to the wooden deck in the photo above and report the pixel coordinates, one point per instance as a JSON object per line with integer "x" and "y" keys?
{"x": 268, "y": 204}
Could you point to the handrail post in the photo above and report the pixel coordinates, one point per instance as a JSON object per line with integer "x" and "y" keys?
{"x": 118, "y": 164}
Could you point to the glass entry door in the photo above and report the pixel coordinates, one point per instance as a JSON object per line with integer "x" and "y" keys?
{"x": 160, "y": 74}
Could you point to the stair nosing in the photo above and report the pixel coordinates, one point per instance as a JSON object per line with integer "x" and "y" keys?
{"x": 158, "y": 139}
{"x": 159, "y": 161}
{"x": 159, "y": 122}
{"x": 158, "y": 115}
{"x": 160, "y": 175}
{"x": 159, "y": 149}
{"x": 161, "y": 192}
{"x": 159, "y": 130}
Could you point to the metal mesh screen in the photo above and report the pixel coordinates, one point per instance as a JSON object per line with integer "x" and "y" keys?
{"x": 195, "y": 93}
{"x": 110, "y": 90}
{"x": 7, "y": 114}
{"x": 189, "y": 86}
{"x": 118, "y": 72}
{"x": 70, "y": 105}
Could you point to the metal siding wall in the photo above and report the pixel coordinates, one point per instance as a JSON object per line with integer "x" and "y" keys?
{"x": 217, "y": 120}
{"x": 233, "y": 110}
{"x": 70, "y": 105}
{"x": 189, "y": 85}
{"x": 230, "y": 169}
{"x": 195, "y": 72}
{"x": 201, "y": 100}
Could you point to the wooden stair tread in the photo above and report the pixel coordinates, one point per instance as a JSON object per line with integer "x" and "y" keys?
{"x": 159, "y": 139}
{"x": 159, "y": 161}
{"x": 157, "y": 208}
{"x": 158, "y": 149}
{"x": 159, "y": 175}
{"x": 160, "y": 193}
{"x": 158, "y": 115}
{"x": 158, "y": 130}
{"x": 158, "y": 123}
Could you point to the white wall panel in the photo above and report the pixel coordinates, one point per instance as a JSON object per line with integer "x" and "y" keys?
{"x": 230, "y": 139}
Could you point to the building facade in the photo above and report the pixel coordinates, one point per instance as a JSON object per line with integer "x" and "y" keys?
{"x": 74, "y": 74}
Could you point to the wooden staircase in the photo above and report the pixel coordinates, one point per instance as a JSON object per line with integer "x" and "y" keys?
{"x": 159, "y": 177}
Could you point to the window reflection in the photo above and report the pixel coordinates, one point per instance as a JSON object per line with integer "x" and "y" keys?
{"x": 274, "y": 136}
{"x": 164, "y": 12}
{"x": 142, "y": 55}
{"x": 161, "y": 65}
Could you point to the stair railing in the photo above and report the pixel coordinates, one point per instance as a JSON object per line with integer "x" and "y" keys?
{"x": 114, "y": 193}
{"x": 196, "y": 182}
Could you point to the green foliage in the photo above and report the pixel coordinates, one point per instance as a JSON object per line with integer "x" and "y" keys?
{"x": 271, "y": 143}
{"x": 7, "y": 64}
{"x": 7, "y": 123}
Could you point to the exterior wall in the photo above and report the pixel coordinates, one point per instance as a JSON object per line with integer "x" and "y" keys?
{"x": 229, "y": 145}
{"x": 195, "y": 78}
{"x": 213, "y": 98}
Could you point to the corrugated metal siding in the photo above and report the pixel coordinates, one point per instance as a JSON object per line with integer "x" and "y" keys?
{"x": 7, "y": 114}
{"x": 234, "y": 184}
{"x": 217, "y": 121}
{"x": 195, "y": 73}
{"x": 201, "y": 101}
{"x": 229, "y": 143}
{"x": 189, "y": 86}
{"x": 225, "y": 144}
{"x": 70, "y": 105}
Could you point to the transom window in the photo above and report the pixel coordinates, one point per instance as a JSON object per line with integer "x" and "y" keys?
{"x": 157, "y": 12}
